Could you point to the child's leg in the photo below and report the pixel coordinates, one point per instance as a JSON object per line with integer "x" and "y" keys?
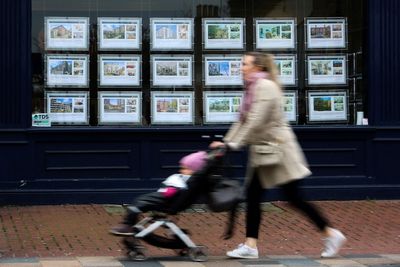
{"x": 144, "y": 203}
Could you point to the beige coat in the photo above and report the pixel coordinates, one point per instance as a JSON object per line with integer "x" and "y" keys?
{"x": 266, "y": 122}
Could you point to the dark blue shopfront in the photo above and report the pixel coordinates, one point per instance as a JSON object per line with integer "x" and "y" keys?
{"x": 113, "y": 163}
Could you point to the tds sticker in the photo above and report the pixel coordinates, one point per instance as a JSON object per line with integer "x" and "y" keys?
{"x": 41, "y": 120}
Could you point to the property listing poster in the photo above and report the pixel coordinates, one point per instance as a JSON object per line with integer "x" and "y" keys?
{"x": 222, "y": 107}
{"x": 172, "y": 107}
{"x": 326, "y": 33}
{"x": 119, "y": 107}
{"x": 222, "y": 70}
{"x": 67, "y": 70}
{"x": 327, "y": 106}
{"x": 67, "y": 107}
{"x": 286, "y": 65}
{"x": 119, "y": 33}
{"x": 275, "y": 33}
{"x": 66, "y": 33}
{"x": 171, "y": 70}
{"x": 119, "y": 70}
{"x": 290, "y": 105}
{"x": 171, "y": 34}
{"x": 223, "y": 33}
{"x": 327, "y": 70}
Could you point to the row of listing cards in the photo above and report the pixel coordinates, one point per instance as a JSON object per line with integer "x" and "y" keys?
{"x": 122, "y": 33}
{"x": 177, "y": 107}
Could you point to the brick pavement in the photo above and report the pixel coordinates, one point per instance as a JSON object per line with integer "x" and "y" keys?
{"x": 387, "y": 260}
{"x": 372, "y": 227}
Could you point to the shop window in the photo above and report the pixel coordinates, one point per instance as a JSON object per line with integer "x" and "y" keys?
{"x": 143, "y": 63}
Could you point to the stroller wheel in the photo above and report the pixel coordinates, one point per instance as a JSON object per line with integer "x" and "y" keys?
{"x": 198, "y": 254}
{"x": 183, "y": 252}
{"x": 137, "y": 254}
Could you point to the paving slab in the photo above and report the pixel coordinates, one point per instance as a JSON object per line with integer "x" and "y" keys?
{"x": 394, "y": 257}
{"x": 99, "y": 262}
{"x": 180, "y": 264}
{"x": 20, "y": 265}
{"x": 340, "y": 263}
{"x": 222, "y": 263}
{"x": 59, "y": 263}
{"x": 301, "y": 262}
{"x": 140, "y": 263}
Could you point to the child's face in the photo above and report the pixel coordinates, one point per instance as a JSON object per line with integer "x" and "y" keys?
{"x": 185, "y": 170}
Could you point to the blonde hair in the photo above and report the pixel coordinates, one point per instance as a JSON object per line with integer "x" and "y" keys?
{"x": 266, "y": 63}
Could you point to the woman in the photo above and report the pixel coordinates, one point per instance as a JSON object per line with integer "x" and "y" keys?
{"x": 275, "y": 157}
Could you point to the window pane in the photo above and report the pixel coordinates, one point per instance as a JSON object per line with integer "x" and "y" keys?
{"x": 295, "y": 60}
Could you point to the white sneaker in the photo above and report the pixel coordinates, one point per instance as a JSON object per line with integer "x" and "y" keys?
{"x": 333, "y": 244}
{"x": 243, "y": 252}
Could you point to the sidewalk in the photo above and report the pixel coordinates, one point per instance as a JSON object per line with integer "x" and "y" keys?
{"x": 44, "y": 235}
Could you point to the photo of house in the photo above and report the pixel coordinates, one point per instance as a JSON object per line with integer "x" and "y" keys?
{"x": 61, "y": 67}
{"x": 321, "y": 67}
{"x": 321, "y": 32}
{"x": 270, "y": 31}
{"x": 61, "y": 31}
{"x": 166, "y": 68}
{"x": 61, "y": 105}
{"x": 322, "y": 103}
{"x": 218, "y": 31}
{"x": 167, "y": 105}
{"x": 165, "y": 31}
{"x": 113, "y": 31}
{"x": 114, "y": 68}
{"x": 218, "y": 68}
{"x": 114, "y": 105}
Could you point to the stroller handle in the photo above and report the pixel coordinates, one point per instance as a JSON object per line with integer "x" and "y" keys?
{"x": 218, "y": 152}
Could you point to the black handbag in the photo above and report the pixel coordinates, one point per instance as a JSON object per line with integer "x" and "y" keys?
{"x": 225, "y": 195}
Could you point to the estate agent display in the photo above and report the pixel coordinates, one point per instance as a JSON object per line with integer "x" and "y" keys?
{"x": 172, "y": 60}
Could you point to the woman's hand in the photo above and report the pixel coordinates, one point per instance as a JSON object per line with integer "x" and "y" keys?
{"x": 216, "y": 144}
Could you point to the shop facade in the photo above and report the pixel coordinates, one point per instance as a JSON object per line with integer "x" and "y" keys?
{"x": 132, "y": 86}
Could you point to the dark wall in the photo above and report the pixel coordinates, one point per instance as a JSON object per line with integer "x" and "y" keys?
{"x": 113, "y": 165}
{"x": 15, "y": 58}
{"x": 383, "y": 40}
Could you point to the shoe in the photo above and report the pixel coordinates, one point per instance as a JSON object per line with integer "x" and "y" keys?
{"x": 243, "y": 252}
{"x": 333, "y": 244}
{"x": 122, "y": 229}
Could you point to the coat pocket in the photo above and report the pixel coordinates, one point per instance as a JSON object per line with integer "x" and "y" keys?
{"x": 266, "y": 154}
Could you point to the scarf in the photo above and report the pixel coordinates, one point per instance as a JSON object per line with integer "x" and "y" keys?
{"x": 248, "y": 96}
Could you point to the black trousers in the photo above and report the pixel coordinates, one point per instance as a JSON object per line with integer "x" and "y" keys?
{"x": 293, "y": 194}
{"x": 154, "y": 201}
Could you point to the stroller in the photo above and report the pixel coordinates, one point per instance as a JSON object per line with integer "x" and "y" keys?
{"x": 221, "y": 195}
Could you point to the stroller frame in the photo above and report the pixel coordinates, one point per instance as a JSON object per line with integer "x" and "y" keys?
{"x": 144, "y": 230}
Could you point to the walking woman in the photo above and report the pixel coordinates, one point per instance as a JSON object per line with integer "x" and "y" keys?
{"x": 275, "y": 156}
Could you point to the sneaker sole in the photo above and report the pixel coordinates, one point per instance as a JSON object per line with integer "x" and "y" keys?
{"x": 120, "y": 234}
{"x": 342, "y": 242}
{"x": 240, "y": 257}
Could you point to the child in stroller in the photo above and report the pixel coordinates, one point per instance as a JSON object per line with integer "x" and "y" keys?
{"x": 199, "y": 175}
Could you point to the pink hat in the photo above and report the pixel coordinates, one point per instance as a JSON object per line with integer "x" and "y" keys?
{"x": 194, "y": 161}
